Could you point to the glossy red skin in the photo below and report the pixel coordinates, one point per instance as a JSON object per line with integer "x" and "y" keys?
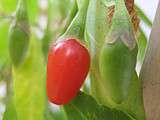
{"x": 67, "y": 68}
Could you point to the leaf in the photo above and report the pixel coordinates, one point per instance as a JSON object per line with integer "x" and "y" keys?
{"x": 143, "y": 16}
{"x": 4, "y": 26}
{"x": 95, "y": 32}
{"x": 84, "y": 107}
{"x": 10, "y": 113}
{"x": 64, "y": 6}
{"x": 56, "y": 18}
{"x": 33, "y": 10}
{"x": 71, "y": 15}
{"x": 7, "y": 6}
{"x": 29, "y": 85}
{"x": 142, "y": 44}
{"x": 133, "y": 104}
{"x": 77, "y": 26}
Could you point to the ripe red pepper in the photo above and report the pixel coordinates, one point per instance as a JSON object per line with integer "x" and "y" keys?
{"x": 67, "y": 68}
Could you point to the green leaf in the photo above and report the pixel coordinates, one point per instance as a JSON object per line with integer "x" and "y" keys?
{"x": 77, "y": 26}
{"x": 133, "y": 104}
{"x": 143, "y": 16}
{"x": 64, "y": 6}
{"x": 58, "y": 10}
{"x": 29, "y": 85}
{"x": 33, "y": 10}
{"x": 84, "y": 107}
{"x": 71, "y": 15}
{"x": 95, "y": 32}
{"x": 7, "y": 6}
{"x": 96, "y": 25}
{"x": 56, "y": 16}
{"x": 10, "y": 113}
{"x": 4, "y": 27}
{"x": 142, "y": 44}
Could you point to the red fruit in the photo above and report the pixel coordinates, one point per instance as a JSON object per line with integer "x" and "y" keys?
{"x": 67, "y": 68}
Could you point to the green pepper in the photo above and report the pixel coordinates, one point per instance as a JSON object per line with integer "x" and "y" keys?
{"x": 19, "y": 35}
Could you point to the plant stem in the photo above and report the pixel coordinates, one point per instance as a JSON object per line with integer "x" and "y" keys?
{"x": 130, "y": 5}
{"x": 150, "y": 72}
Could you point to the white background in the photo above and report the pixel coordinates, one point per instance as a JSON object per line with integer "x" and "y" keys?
{"x": 149, "y": 7}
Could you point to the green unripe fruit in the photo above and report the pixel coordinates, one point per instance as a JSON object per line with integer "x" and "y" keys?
{"x": 117, "y": 65}
{"x": 19, "y": 35}
{"x": 18, "y": 45}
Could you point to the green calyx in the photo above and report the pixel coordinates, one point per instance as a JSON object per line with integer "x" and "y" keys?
{"x": 22, "y": 20}
{"x": 21, "y": 12}
{"x": 19, "y": 35}
{"x": 121, "y": 26}
{"x": 77, "y": 26}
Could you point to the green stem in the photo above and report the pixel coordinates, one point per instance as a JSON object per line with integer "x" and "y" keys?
{"x": 72, "y": 14}
{"x": 21, "y": 12}
{"x": 76, "y": 28}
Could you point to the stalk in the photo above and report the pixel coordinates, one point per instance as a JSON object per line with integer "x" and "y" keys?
{"x": 77, "y": 26}
{"x": 150, "y": 72}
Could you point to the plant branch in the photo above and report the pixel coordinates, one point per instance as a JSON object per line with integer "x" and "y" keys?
{"x": 150, "y": 72}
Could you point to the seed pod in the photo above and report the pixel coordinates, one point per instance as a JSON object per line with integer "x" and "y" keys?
{"x": 118, "y": 55}
{"x": 19, "y": 35}
{"x": 68, "y": 61}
